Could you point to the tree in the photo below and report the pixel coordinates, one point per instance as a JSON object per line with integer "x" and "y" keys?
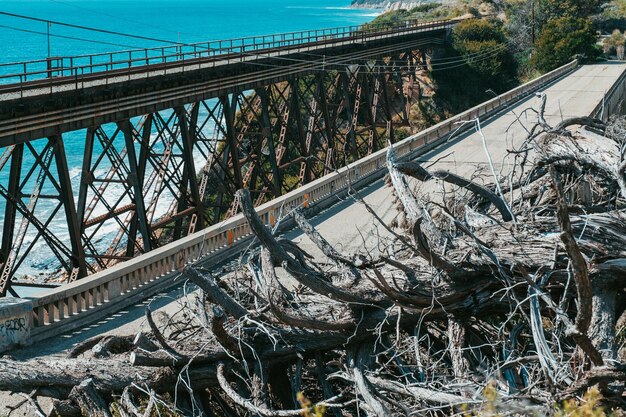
{"x": 520, "y": 23}
{"x": 478, "y": 64}
{"x": 563, "y": 38}
{"x": 478, "y": 31}
{"x": 616, "y": 9}
{"x": 391, "y": 18}
{"x": 554, "y": 9}
{"x": 483, "y": 44}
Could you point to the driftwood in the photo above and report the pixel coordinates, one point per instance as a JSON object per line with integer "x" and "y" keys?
{"x": 516, "y": 288}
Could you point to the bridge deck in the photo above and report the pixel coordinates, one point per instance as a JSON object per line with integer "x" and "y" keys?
{"x": 40, "y": 108}
{"x": 120, "y": 70}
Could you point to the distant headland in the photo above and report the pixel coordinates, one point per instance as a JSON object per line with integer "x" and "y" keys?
{"x": 387, "y": 4}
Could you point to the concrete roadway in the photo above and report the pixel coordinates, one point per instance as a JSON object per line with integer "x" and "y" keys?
{"x": 351, "y": 228}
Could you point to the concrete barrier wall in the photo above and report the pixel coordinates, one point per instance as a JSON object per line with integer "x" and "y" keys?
{"x": 97, "y": 296}
{"x": 15, "y": 322}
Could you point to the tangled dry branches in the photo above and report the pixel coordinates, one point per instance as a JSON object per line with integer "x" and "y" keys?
{"x": 502, "y": 297}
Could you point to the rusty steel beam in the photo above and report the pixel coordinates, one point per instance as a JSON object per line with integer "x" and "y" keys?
{"x": 189, "y": 177}
{"x": 141, "y": 172}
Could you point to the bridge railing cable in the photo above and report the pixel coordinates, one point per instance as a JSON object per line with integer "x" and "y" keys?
{"x": 17, "y": 76}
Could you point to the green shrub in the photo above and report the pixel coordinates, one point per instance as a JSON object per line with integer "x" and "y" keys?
{"x": 560, "y": 40}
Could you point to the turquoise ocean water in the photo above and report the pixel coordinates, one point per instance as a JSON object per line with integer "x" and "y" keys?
{"x": 177, "y": 20}
{"x": 185, "y": 21}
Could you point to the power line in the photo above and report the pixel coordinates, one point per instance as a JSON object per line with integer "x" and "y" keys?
{"x": 66, "y": 37}
{"x": 476, "y": 57}
{"x": 483, "y": 58}
{"x": 163, "y": 29}
{"x": 440, "y": 61}
{"x": 446, "y": 64}
{"x": 101, "y": 31}
{"x": 110, "y": 32}
{"x": 334, "y": 65}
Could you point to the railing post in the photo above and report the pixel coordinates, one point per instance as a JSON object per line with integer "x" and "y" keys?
{"x": 49, "y": 68}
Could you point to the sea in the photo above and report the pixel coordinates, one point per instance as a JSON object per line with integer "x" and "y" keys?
{"x": 186, "y": 21}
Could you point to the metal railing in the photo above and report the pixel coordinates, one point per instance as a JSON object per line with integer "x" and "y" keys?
{"x": 105, "y": 292}
{"x": 18, "y": 76}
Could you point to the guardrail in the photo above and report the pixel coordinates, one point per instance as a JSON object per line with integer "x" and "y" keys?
{"x": 44, "y": 73}
{"x": 73, "y": 305}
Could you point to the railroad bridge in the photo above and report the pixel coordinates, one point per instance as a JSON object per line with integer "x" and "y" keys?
{"x": 168, "y": 134}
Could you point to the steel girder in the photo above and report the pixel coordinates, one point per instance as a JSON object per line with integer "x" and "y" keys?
{"x": 147, "y": 181}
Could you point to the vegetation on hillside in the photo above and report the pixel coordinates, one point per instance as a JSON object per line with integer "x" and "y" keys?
{"x": 561, "y": 39}
{"x": 476, "y": 66}
{"x": 514, "y": 41}
{"x": 612, "y": 17}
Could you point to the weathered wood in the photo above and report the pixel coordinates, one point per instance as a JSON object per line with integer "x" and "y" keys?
{"x": 312, "y": 279}
{"x": 141, "y": 341}
{"x": 415, "y": 170}
{"x": 581, "y": 277}
{"x": 65, "y": 408}
{"x": 61, "y": 375}
{"x": 112, "y": 345}
{"x": 215, "y": 293}
{"x": 456, "y": 344}
{"x": 90, "y": 402}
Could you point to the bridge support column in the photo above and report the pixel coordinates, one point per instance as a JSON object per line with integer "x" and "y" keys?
{"x": 229, "y": 119}
{"x": 267, "y": 136}
{"x": 405, "y": 101}
{"x": 86, "y": 178}
{"x": 387, "y": 107}
{"x": 79, "y": 265}
{"x": 146, "y": 132}
{"x": 190, "y": 180}
{"x": 10, "y": 215}
{"x": 349, "y": 106}
{"x": 305, "y": 166}
{"x": 373, "y": 97}
{"x": 329, "y": 127}
{"x": 135, "y": 182}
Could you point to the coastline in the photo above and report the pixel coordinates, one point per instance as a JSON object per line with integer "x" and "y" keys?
{"x": 387, "y": 5}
